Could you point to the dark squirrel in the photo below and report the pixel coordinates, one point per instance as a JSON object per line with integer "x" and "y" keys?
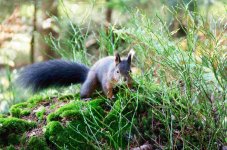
{"x": 105, "y": 73}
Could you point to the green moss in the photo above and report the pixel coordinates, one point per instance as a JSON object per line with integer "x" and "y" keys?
{"x": 40, "y": 113}
{"x": 69, "y": 97}
{"x": 15, "y": 112}
{"x": 76, "y": 125}
{"x": 74, "y": 135}
{"x": 52, "y": 116}
{"x": 111, "y": 116}
{"x": 19, "y": 110}
{"x": 76, "y": 110}
{"x": 119, "y": 121}
{"x": 35, "y": 99}
{"x": 11, "y": 147}
{"x": 24, "y": 109}
{"x": 13, "y": 138}
{"x": 37, "y": 143}
{"x": 86, "y": 124}
{"x": 53, "y": 106}
{"x": 56, "y": 134}
{"x": 77, "y": 130}
{"x": 52, "y": 127}
{"x": 2, "y": 116}
{"x": 12, "y": 128}
{"x": 23, "y": 139}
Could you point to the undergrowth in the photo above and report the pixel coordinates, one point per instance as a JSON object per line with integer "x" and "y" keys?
{"x": 180, "y": 96}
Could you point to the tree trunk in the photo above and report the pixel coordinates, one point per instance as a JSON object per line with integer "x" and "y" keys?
{"x": 108, "y": 17}
{"x": 33, "y": 33}
{"x": 49, "y": 8}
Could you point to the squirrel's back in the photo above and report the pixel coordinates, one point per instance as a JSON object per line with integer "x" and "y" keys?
{"x": 102, "y": 67}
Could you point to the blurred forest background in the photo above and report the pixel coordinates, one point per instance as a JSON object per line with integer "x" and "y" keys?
{"x": 38, "y": 30}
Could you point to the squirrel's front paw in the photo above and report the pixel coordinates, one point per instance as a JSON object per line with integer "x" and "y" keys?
{"x": 113, "y": 97}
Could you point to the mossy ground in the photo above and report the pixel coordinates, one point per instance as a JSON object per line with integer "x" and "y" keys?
{"x": 64, "y": 122}
{"x": 130, "y": 120}
{"x": 11, "y": 129}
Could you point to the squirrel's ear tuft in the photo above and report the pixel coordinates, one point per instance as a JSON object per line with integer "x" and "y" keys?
{"x": 130, "y": 56}
{"x": 129, "y": 59}
{"x": 117, "y": 58}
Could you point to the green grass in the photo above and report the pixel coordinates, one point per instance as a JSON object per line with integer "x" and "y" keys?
{"x": 191, "y": 73}
{"x": 181, "y": 95}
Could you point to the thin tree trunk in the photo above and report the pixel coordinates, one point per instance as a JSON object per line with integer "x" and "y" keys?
{"x": 108, "y": 17}
{"x": 49, "y": 8}
{"x": 33, "y": 33}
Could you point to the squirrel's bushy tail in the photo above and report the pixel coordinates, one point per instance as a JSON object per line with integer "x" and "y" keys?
{"x": 52, "y": 73}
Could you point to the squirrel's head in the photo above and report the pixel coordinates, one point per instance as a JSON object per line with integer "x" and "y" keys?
{"x": 122, "y": 68}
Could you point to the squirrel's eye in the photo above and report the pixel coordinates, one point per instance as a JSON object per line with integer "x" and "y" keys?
{"x": 117, "y": 71}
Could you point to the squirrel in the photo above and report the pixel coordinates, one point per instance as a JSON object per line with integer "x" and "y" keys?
{"x": 105, "y": 73}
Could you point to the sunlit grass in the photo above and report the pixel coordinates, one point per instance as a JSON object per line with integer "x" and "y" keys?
{"x": 183, "y": 82}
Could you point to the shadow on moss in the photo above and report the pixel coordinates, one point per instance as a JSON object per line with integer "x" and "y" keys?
{"x": 11, "y": 130}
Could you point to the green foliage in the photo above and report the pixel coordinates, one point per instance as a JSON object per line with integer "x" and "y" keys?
{"x": 191, "y": 79}
{"x": 71, "y": 41}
